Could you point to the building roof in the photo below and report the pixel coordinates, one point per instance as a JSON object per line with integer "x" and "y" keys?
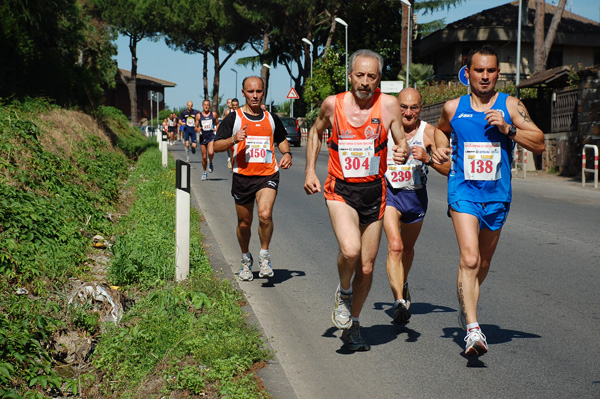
{"x": 507, "y": 14}
{"x": 500, "y": 24}
{"x": 144, "y": 80}
{"x": 555, "y": 77}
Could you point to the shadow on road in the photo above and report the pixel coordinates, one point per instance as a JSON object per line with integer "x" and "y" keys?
{"x": 494, "y": 334}
{"x": 280, "y": 276}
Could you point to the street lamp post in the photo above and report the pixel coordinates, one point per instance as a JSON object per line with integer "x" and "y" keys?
{"x": 236, "y": 93}
{"x": 341, "y": 21}
{"x": 408, "y": 37}
{"x": 269, "y": 85}
{"x": 305, "y": 40}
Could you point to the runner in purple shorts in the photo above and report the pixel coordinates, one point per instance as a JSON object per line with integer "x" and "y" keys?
{"x": 407, "y": 198}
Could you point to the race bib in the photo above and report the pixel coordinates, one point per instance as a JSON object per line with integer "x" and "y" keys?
{"x": 190, "y": 121}
{"x": 357, "y": 158}
{"x": 481, "y": 161}
{"x": 400, "y": 176}
{"x": 258, "y": 149}
{"x": 207, "y": 124}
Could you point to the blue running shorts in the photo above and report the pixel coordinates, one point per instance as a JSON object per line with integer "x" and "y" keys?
{"x": 491, "y": 215}
{"x": 412, "y": 204}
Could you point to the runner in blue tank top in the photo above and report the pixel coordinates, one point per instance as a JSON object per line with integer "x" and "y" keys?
{"x": 484, "y": 128}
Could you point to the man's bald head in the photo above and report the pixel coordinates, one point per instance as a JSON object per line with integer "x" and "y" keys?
{"x": 410, "y": 95}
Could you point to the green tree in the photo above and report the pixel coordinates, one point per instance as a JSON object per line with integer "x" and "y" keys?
{"x": 205, "y": 27}
{"x": 136, "y": 19}
{"x": 53, "y": 49}
{"x": 329, "y": 77}
{"x": 418, "y": 74}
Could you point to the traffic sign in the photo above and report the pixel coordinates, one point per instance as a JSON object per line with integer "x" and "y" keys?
{"x": 292, "y": 94}
{"x": 462, "y": 77}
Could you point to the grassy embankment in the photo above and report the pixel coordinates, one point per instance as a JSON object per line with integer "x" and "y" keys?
{"x": 66, "y": 177}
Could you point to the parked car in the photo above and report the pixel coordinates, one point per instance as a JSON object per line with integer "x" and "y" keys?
{"x": 149, "y": 131}
{"x": 293, "y": 130}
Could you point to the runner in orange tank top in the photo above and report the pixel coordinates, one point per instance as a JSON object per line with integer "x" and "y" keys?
{"x": 355, "y": 187}
{"x": 252, "y": 134}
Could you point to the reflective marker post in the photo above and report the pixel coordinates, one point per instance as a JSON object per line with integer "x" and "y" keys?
{"x": 182, "y": 221}
{"x": 164, "y": 149}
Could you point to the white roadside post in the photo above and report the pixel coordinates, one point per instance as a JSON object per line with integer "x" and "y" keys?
{"x": 182, "y": 221}
{"x": 165, "y": 154}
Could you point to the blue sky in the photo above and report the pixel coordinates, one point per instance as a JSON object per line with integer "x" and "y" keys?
{"x": 157, "y": 60}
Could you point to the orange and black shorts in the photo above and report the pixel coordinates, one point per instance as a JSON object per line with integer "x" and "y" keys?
{"x": 367, "y": 199}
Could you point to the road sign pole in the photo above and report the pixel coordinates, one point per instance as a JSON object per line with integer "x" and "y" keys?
{"x": 292, "y": 108}
{"x": 182, "y": 221}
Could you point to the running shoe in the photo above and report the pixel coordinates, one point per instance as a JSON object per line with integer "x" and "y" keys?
{"x": 210, "y": 168}
{"x": 341, "y": 311}
{"x": 476, "y": 343}
{"x": 204, "y": 177}
{"x": 187, "y": 158}
{"x": 353, "y": 338}
{"x": 193, "y": 150}
{"x": 245, "y": 273}
{"x": 228, "y": 163}
{"x": 401, "y": 313}
{"x": 406, "y": 295}
{"x": 266, "y": 270}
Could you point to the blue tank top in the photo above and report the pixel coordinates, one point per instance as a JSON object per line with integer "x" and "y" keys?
{"x": 481, "y": 155}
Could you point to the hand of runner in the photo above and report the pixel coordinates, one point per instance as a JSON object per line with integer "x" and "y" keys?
{"x": 495, "y": 118}
{"x": 286, "y": 161}
{"x": 400, "y": 154}
{"x": 419, "y": 153}
{"x": 241, "y": 134}
{"x": 312, "y": 184}
{"x": 441, "y": 154}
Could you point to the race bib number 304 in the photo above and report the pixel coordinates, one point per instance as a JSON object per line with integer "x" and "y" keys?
{"x": 481, "y": 161}
{"x": 357, "y": 158}
{"x": 258, "y": 149}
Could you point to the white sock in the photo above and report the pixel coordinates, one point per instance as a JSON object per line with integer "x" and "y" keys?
{"x": 345, "y": 292}
{"x": 398, "y": 301}
{"x": 264, "y": 252}
{"x": 246, "y": 255}
{"x": 354, "y": 319}
{"x": 472, "y": 326}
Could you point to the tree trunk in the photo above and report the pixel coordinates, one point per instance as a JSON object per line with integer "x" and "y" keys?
{"x": 131, "y": 84}
{"x": 205, "y": 74}
{"x": 403, "y": 45}
{"x": 541, "y": 46}
{"x": 265, "y": 72}
{"x": 217, "y": 78}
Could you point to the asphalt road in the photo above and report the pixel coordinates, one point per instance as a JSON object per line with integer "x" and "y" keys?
{"x": 539, "y": 307}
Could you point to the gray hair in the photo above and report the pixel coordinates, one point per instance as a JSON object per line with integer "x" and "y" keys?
{"x": 369, "y": 54}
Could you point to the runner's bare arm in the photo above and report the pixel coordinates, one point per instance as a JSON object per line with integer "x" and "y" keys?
{"x": 313, "y": 145}
{"x": 528, "y": 135}
{"x": 433, "y": 135}
{"x": 393, "y": 111}
{"x": 442, "y": 150}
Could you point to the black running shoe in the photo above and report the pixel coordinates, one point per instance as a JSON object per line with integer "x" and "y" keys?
{"x": 401, "y": 313}
{"x": 353, "y": 338}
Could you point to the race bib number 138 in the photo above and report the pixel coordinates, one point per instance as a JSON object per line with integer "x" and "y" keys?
{"x": 481, "y": 161}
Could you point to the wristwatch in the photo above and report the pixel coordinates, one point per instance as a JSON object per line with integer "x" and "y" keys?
{"x": 512, "y": 131}
{"x": 291, "y": 155}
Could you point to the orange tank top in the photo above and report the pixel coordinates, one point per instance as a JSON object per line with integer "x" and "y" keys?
{"x": 358, "y": 154}
{"x": 255, "y": 156}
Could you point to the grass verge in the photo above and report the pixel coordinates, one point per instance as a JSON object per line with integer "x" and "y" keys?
{"x": 62, "y": 181}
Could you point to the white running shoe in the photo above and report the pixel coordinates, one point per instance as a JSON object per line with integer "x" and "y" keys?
{"x": 266, "y": 270}
{"x": 210, "y": 168}
{"x": 228, "y": 163}
{"x": 245, "y": 273}
{"x": 341, "y": 311}
{"x": 204, "y": 176}
{"x": 476, "y": 343}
